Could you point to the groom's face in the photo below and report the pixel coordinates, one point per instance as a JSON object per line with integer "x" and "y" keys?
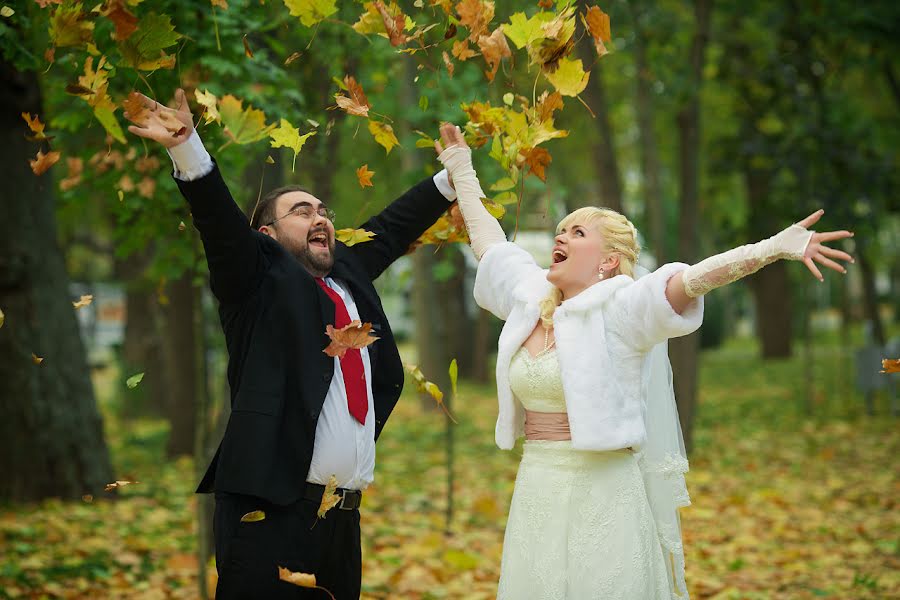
{"x": 304, "y": 229}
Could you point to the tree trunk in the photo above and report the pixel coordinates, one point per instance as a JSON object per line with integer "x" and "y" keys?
{"x": 683, "y": 351}
{"x": 51, "y": 434}
{"x": 181, "y": 399}
{"x": 870, "y": 296}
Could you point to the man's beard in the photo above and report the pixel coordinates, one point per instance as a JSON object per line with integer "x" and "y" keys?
{"x": 317, "y": 265}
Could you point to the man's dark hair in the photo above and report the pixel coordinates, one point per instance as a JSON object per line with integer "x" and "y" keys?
{"x": 265, "y": 210}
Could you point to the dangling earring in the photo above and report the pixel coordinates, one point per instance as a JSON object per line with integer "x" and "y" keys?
{"x": 601, "y": 274}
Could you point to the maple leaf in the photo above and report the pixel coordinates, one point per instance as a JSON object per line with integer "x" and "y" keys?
{"x": 36, "y": 359}
{"x": 462, "y": 51}
{"x": 243, "y": 126}
{"x": 351, "y": 237}
{"x": 393, "y": 24}
{"x": 537, "y": 160}
{"x": 145, "y": 50}
{"x": 557, "y": 43}
{"x": 329, "y": 500}
{"x": 364, "y": 175}
{"x": 888, "y": 365}
{"x": 597, "y": 23}
{"x": 254, "y": 516}
{"x": 475, "y": 14}
{"x": 373, "y": 20}
{"x": 36, "y": 127}
{"x": 548, "y": 104}
{"x": 288, "y": 136}
{"x": 133, "y": 381}
{"x": 208, "y": 101}
{"x": 118, "y": 484}
{"x": 73, "y": 178}
{"x": 494, "y": 48}
{"x": 122, "y": 18}
{"x": 569, "y": 79}
{"x": 137, "y": 112}
{"x": 356, "y": 102}
{"x": 85, "y": 300}
{"x": 352, "y": 335}
{"x": 92, "y": 87}
{"x": 524, "y": 31}
{"x": 311, "y": 11}
{"x": 42, "y": 162}
{"x": 69, "y": 26}
{"x": 384, "y": 135}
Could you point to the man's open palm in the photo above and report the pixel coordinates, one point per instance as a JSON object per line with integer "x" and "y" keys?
{"x": 152, "y": 120}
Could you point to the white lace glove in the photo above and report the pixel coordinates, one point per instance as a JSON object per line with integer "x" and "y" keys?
{"x": 728, "y": 267}
{"x": 484, "y": 230}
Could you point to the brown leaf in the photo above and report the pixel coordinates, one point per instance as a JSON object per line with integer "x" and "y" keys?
{"x": 451, "y": 31}
{"x": 302, "y": 579}
{"x": 73, "y": 178}
{"x": 223, "y": 4}
{"x": 291, "y": 58}
{"x": 364, "y": 175}
{"x": 546, "y": 4}
{"x": 146, "y": 187}
{"x": 448, "y": 63}
{"x": 122, "y": 18}
{"x": 247, "y": 51}
{"x": 461, "y": 50}
{"x": 393, "y": 24}
{"x": 356, "y": 103}
{"x": 118, "y": 484}
{"x": 475, "y": 14}
{"x": 537, "y": 160}
{"x": 548, "y": 104}
{"x": 890, "y": 365}
{"x": 597, "y": 23}
{"x": 329, "y": 499}
{"x": 353, "y": 335}
{"x": 494, "y": 48}
{"x": 42, "y": 162}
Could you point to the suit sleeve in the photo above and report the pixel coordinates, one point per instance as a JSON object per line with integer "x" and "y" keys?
{"x": 233, "y": 253}
{"x": 399, "y": 225}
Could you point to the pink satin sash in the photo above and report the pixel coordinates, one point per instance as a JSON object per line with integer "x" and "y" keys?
{"x": 547, "y": 426}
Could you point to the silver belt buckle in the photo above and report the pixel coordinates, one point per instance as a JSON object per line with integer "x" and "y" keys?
{"x": 343, "y": 499}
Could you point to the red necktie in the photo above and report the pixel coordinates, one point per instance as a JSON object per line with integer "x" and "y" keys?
{"x": 351, "y": 363}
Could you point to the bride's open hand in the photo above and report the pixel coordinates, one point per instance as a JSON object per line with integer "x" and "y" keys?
{"x": 817, "y": 251}
{"x": 450, "y": 136}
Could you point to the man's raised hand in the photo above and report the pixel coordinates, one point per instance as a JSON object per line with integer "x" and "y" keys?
{"x": 450, "y": 136}
{"x": 153, "y": 121}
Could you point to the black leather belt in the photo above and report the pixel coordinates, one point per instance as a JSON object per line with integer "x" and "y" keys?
{"x": 350, "y": 499}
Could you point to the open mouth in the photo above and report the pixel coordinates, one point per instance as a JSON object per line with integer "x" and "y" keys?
{"x": 559, "y": 256}
{"x": 319, "y": 239}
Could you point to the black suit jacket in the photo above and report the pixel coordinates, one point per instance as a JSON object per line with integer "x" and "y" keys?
{"x": 274, "y": 317}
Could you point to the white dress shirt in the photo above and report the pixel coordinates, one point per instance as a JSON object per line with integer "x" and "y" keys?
{"x": 343, "y": 447}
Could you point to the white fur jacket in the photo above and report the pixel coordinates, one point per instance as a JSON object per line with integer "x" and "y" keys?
{"x": 602, "y": 335}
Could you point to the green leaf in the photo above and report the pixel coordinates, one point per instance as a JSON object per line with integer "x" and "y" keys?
{"x": 504, "y": 184}
{"x": 454, "y": 372}
{"x": 506, "y": 198}
{"x": 311, "y": 11}
{"x": 288, "y": 136}
{"x": 143, "y": 50}
{"x": 508, "y": 98}
{"x": 569, "y": 79}
{"x": 423, "y": 103}
{"x": 106, "y": 115}
{"x": 523, "y": 31}
{"x": 243, "y": 126}
{"x": 134, "y": 380}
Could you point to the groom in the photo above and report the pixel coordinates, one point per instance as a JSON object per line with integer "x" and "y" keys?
{"x": 298, "y": 416}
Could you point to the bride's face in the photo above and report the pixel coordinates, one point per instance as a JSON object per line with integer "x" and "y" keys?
{"x": 578, "y": 254}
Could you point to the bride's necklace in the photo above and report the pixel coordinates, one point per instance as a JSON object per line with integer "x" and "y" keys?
{"x": 548, "y": 345}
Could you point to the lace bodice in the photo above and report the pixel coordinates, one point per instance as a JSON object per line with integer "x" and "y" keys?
{"x": 537, "y": 382}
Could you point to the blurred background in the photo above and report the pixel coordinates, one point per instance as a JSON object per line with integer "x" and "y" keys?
{"x": 710, "y": 124}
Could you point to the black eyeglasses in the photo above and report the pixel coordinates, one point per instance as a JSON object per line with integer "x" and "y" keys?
{"x": 306, "y": 211}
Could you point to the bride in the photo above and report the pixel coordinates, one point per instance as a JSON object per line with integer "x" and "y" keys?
{"x": 583, "y": 374}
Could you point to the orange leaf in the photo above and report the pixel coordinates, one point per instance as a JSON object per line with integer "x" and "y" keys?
{"x": 538, "y": 159}
{"x": 223, "y": 4}
{"x": 307, "y": 580}
{"x": 494, "y": 48}
{"x": 357, "y": 103}
{"x": 448, "y": 63}
{"x": 329, "y": 500}
{"x": 548, "y": 104}
{"x": 364, "y": 175}
{"x": 73, "y": 178}
{"x": 36, "y": 127}
{"x": 393, "y": 24}
{"x": 122, "y": 18}
{"x": 461, "y": 50}
{"x": 353, "y": 335}
{"x": 597, "y": 23}
{"x": 42, "y": 162}
{"x": 475, "y": 14}
{"x": 890, "y": 365}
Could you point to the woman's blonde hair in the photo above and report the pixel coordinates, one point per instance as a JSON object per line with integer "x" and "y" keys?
{"x": 620, "y": 236}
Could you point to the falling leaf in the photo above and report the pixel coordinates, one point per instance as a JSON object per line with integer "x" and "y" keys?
{"x": 351, "y": 237}
{"x": 139, "y": 114}
{"x": 69, "y": 26}
{"x": 288, "y": 136}
{"x": 524, "y": 31}
{"x": 393, "y": 24}
{"x": 311, "y": 11}
{"x": 6, "y": 12}
{"x": 208, "y": 101}
{"x": 42, "y": 162}
{"x": 537, "y": 160}
{"x": 373, "y": 20}
{"x": 35, "y": 125}
{"x": 597, "y": 23}
{"x": 291, "y": 58}
{"x": 85, "y": 300}
{"x": 73, "y": 177}
{"x": 329, "y": 499}
{"x": 462, "y": 51}
{"x": 454, "y": 373}
{"x": 353, "y": 335}
{"x": 88, "y": 498}
{"x": 36, "y": 359}
{"x": 494, "y": 48}
{"x": 122, "y": 18}
{"x": 384, "y": 135}
{"x": 355, "y": 103}
{"x": 223, "y": 4}
{"x": 475, "y": 14}
{"x": 92, "y": 87}
{"x": 147, "y": 187}
{"x": 133, "y": 381}
{"x": 428, "y": 387}
{"x": 118, "y": 484}
{"x": 548, "y": 104}
{"x": 364, "y": 175}
{"x": 558, "y": 42}
{"x": 247, "y": 51}
{"x": 145, "y": 50}
{"x": 181, "y": 226}
{"x": 2, "y": 318}
{"x": 448, "y": 63}
{"x": 888, "y": 365}
{"x": 254, "y": 516}
{"x": 569, "y": 79}
{"x": 243, "y": 126}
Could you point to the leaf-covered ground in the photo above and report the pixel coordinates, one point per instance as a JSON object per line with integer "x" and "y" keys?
{"x": 785, "y": 506}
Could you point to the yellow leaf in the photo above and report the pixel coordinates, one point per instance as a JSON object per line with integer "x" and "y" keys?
{"x": 83, "y": 301}
{"x": 36, "y": 359}
{"x": 208, "y": 101}
{"x": 384, "y": 135}
{"x": 351, "y": 237}
{"x": 6, "y": 12}
{"x": 311, "y": 11}
{"x": 253, "y": 516}
{"x": 454, "y": 373}
{"x": 243, "y": 126}
{"x": 35, "y": 125}
{"x": 428, "y": 387}
{"x": 569, "y": 79}
{"x": 364, "y": 175}
{"x": 2, "y": 318}
{"x": 288, "y": 136}
{"x": 329, "y": 501}
{"x": 118, "y": 484}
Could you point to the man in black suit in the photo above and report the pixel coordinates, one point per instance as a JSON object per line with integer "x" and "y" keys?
{"x": 298, "y": 416}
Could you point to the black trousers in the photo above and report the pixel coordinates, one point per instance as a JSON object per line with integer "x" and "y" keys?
{"x": 248, "y": 554}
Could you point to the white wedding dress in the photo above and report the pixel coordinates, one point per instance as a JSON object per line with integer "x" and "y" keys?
{"x": 580, "y": 525}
